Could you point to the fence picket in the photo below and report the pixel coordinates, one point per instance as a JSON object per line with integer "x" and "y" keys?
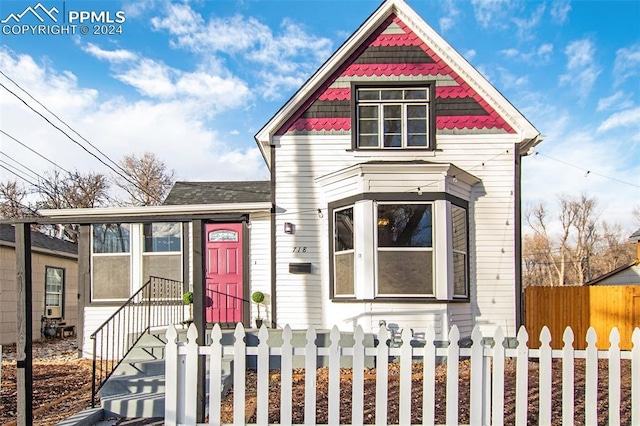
{"x": 262, "y": 397}
{"x": 171, "y": 376}
{"x": 453, "y": 357}
{"x": 333, "y": 396}
{"x": 181, "y": 373}
{"x": 497, "y": 403}
{"x": 406, "y": 353}
{"x": 357, "y": 402}
{"x": 382, "y": 376}
{"x": 544, "y": 380}
{"x": 215, "y": 375}
{"x": 591, "y": 379}
{"x": 310, "y": 378}
{"x": 429, "y": 378}
{"x": 477, "y": 380}
{"x": 635, "y": 377}
{"x": 522, "y": 377}
{"x": 614, "y": 371}
{"x": 286, "y": 377}
{"x": 239, "y": 381}
{"x": 191, "y": 376}
{"x": 568, "y": 370}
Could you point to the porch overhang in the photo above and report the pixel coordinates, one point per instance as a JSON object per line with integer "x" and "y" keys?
{"x": 146, "y": 213}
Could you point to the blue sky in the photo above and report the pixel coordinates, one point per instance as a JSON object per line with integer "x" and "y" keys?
{"x": 193, "y": 82}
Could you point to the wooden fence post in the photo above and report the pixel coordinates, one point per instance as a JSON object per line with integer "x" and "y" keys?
{"x": 239, "y": 371}
{"x": 382, "y": 376}
{"x": 406, "y": 353}
{"x": 262, "y": 397}
{"x": 286, "y": 377}
{"x": 357, "y": 402}
{"x": 476, "y": 405}
{"x": 522, "y": 377}
{"x": 591, "y": 379}
{"x": 333, "y": 415}
{"x": 429, "y": 377}
{"x": 497, "y": 395}
{"x": 544, "y": 380}
{"x": 614, "y": 375}
{"x": 635, "y": 376}
{"x": 310, "y": 364}
{"x": 215, "y": 375}
{"x": 191, "y": 376}
{"x": 568, "y": 370}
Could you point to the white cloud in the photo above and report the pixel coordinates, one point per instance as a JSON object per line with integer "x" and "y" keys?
{"x": 582, "y": 71}
{"x": 541, "y": 55}
{"x": 627, "y": 118}
{"x": 451, "y": 12}
{"x": 118, "y": 55}
{"x": 469, "y": 54}
{"x": 177, "y": 129}
{"x": 627, "y": 64}
{"x": 491, "y": 13}
{"x": 617, "y": 101}
{"x": 525, "y": 26}
{"x": 560, "y": 10}
{"x": 288, "y": 55}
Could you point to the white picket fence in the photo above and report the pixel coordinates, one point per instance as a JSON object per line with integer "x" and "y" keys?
{"x": 486, "y": 382}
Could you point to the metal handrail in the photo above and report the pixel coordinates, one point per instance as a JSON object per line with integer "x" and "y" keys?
{"x": 246, "y": 304}
{"x": 157, "y": 303}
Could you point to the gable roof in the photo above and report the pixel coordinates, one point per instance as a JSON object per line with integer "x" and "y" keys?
{"x": 38, "y": 241}
{"x": 635, "y": 236}
{"x": 185, "y": 193}
{"x": 406, "y": 29}
{"x": 612, "y": 273}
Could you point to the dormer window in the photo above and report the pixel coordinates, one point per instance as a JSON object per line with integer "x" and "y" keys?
{"x": 393, "y": 117}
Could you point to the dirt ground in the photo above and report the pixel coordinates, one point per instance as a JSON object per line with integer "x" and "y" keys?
{"x": 62, "y": 387}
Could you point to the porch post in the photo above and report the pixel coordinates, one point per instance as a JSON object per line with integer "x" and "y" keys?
{"x": 24, "y": 355}
{"x": 199, "y": 315}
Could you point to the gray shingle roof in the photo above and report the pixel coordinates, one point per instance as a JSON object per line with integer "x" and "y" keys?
{"x": 38, "y": 240}
{"x": 635, "y": 236}
{"x": 186, "y": 193}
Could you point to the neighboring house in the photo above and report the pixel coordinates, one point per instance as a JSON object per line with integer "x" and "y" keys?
{"x": 55, "y": 282}
{"x": 394, "y": 195}
{"x": 624, "y": 275}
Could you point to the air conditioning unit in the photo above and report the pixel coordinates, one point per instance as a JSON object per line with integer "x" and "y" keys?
{"x": 54, "y": 312}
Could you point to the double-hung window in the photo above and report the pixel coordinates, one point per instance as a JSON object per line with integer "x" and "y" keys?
{"x": 54, "y": 292}
{"x": 343, "y": 252}
{"x": 392, "y": 118}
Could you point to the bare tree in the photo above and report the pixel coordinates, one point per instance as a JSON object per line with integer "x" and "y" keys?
{"x": 72, "y": 190}
{"x": 636, "y": 212}
{"x": 13, "y": 201}
{"x": 148, "y": 179}
{"x": 579, "y": 250}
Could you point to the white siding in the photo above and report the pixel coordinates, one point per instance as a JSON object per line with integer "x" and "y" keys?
{"x": 304, "y": 299}
{"x": 260, "y": 261}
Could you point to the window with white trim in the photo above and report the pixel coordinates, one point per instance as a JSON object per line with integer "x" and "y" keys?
{"x": 460, "y": 269}
{"x": 54, "y": 292}
{"x": 392, "y": 118}
{"x": 111, "y": 261}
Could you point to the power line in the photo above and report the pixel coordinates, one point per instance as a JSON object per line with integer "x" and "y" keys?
{"x": 126, "y": 178}
{"x": 33, "y": 173}
{"x": 34, "y": 151}
{"x": 587, "y": 171}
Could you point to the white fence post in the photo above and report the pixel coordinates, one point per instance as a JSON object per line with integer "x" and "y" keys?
{"x": 476, "y": 406}
{"x": 239, "y": 380}
{"x": 286, "y": 377}
{"x": 497, "y": 402}
{"x": 453, "y": 358}
{"x": 215, "y": 375}
{"x": 310, "y": 365}
{"x": 635, "y": 377}
{"x": 191, "y": 376}
{"x": 171, "y": 377}
{"x": 262, "y": 397}
{"x": 568, "y": 370}
{"x": 357, "y": 402}
{"x": 382, "y": 376}
{"x": 406, "y": 353}
{"x": 544, "y": 380}
{"x": 522, "y": 377}
{"x": 591, "y": 379}
{"x": 333, "y": 416}
{"x": 614, "y": 374}
{"x": 429, "y": 378}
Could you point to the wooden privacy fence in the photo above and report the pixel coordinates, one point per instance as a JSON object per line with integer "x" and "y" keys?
{"x": 581, "y": 307}
{"x": 486, "y": 380}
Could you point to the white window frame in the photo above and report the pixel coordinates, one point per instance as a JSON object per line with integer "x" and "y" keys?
{"x": 343, "y": 252}
{"x": 60, "y": 305}
{"x": 403, "y": 103}
{"x": 132, "y": 267}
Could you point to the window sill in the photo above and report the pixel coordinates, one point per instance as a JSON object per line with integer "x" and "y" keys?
{"x": 430, "y": 300}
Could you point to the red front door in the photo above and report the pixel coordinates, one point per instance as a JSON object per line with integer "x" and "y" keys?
{"x": 224, "y": 272}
